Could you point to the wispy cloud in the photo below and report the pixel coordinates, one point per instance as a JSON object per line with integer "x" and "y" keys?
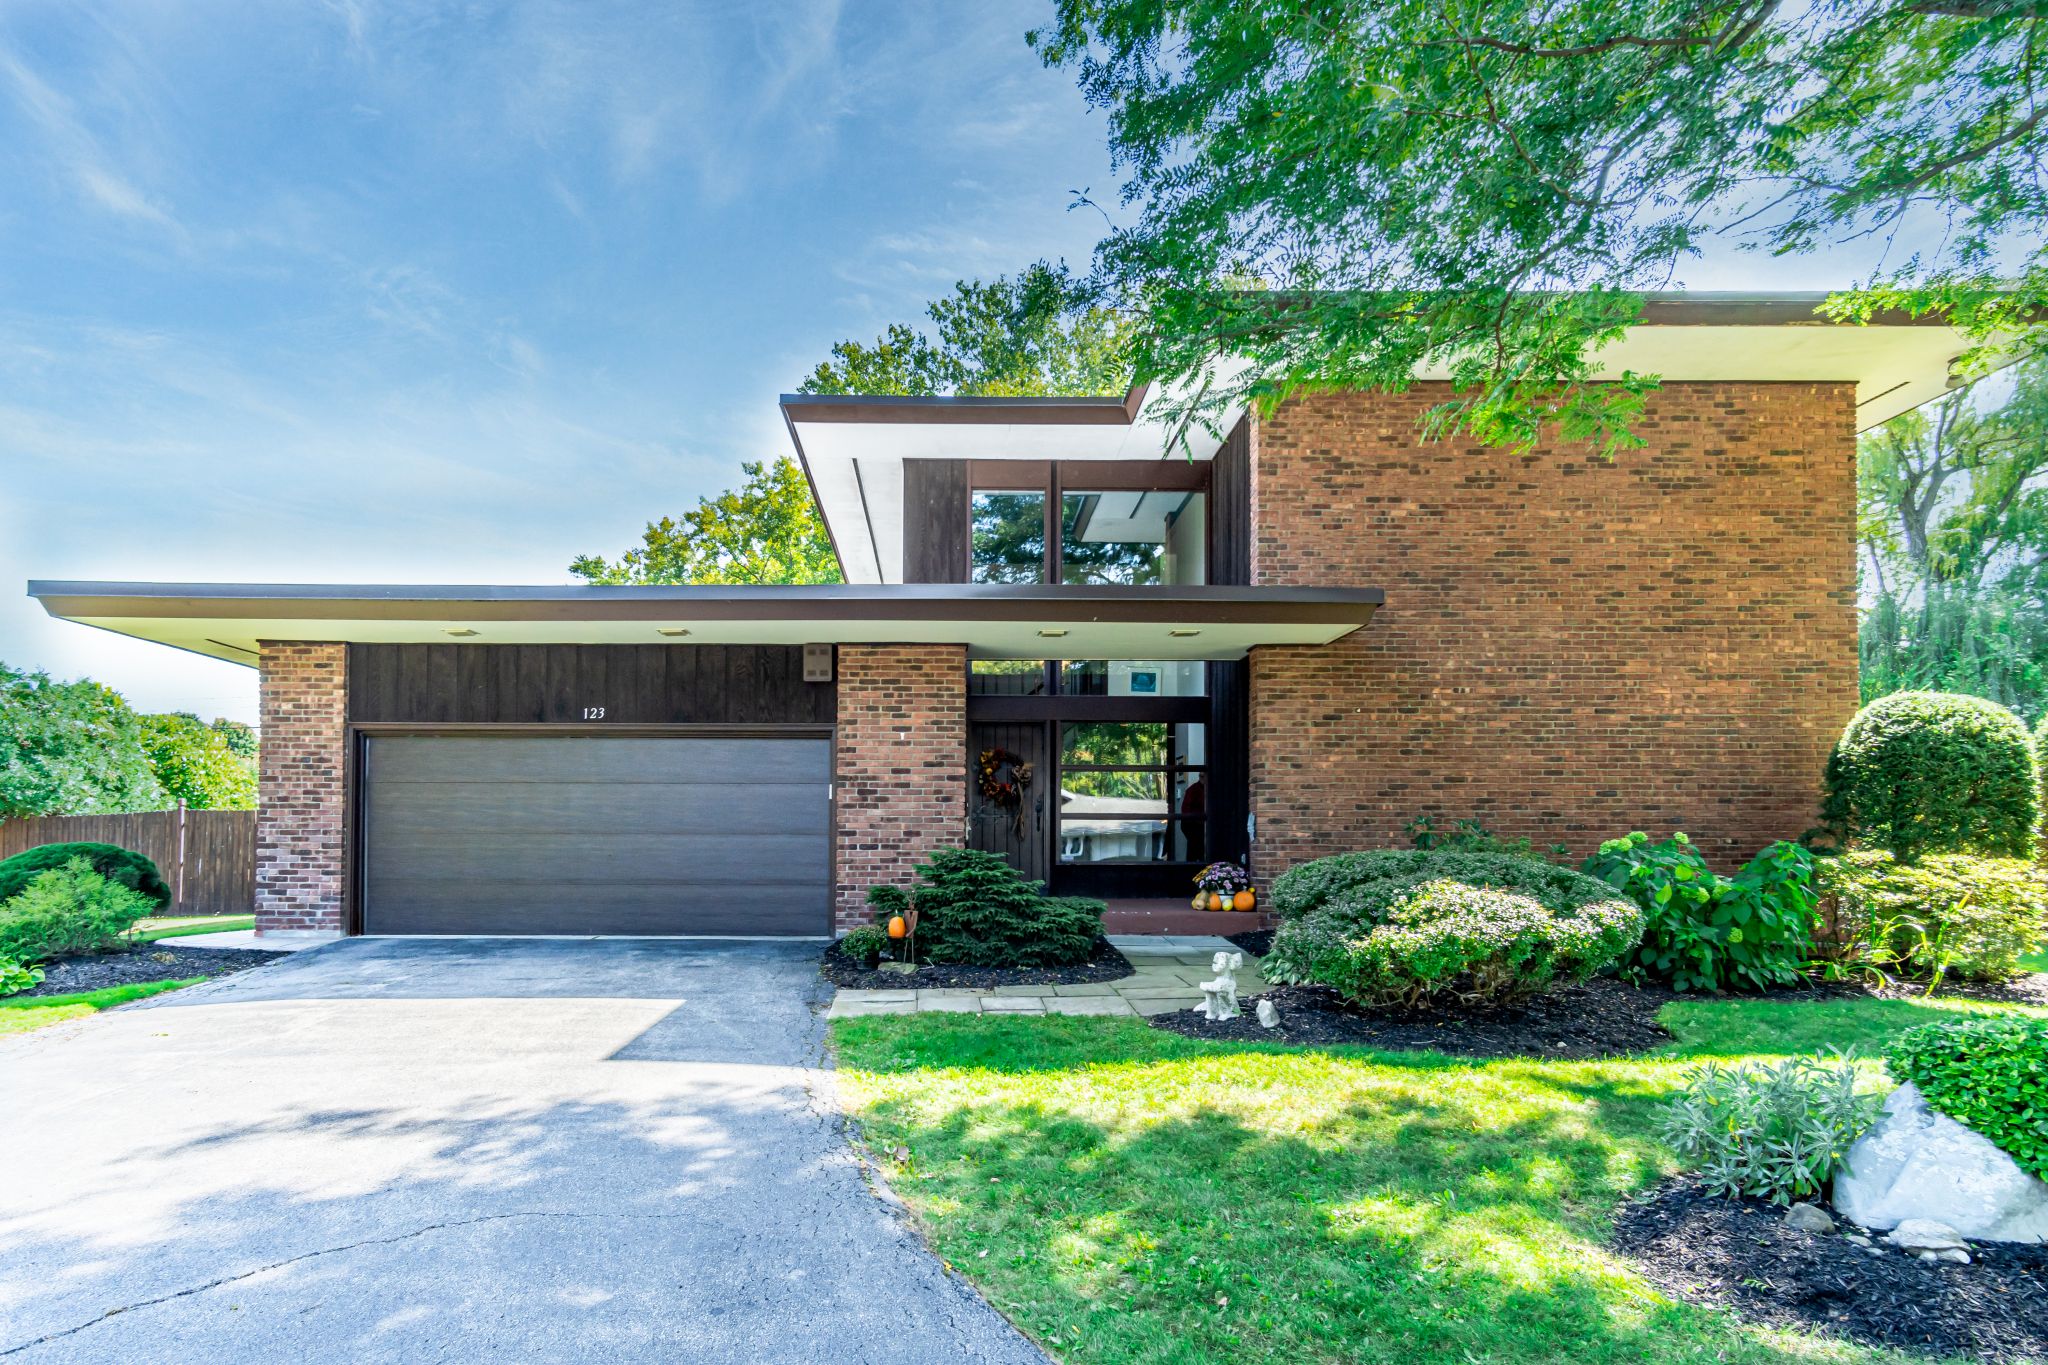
{"x": 78, "y": 154}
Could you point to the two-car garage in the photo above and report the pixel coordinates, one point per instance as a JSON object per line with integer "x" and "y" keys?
{"x": 580, "y": 833}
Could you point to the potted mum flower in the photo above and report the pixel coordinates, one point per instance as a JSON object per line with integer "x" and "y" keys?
{"x": 1223, "y": 886}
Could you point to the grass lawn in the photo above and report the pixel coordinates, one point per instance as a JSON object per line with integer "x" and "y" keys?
{"x": 2038, "y": 959}
{"x": 1125, "y": 1194}
{"x": 150, "y": 930}
{"x": 19, "y": 1016}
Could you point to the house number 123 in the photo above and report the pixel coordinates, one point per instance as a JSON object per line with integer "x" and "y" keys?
{"x": 593, "y": 713}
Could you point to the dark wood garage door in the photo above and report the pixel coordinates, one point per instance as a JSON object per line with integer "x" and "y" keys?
{"x": 529, "y": 834}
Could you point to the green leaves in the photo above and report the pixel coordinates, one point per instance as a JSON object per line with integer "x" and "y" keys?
{"x": 1990, "y": 1075}
{"x": 765, "y": 531}
{"x": 1775, "y": 1132}
{"x": 1708, "y": 932}
{"x": 1354, "y": 194}
{"x": 1921, "y": 772}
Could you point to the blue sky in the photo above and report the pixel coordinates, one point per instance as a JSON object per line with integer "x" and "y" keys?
{"x": 451, "y": 293}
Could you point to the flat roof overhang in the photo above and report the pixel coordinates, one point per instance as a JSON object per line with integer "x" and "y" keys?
{"x": 994, "y": 621}
{"x": 853, "y": 448}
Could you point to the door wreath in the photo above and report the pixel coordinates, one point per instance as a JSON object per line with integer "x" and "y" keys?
{"x": 1004, "y": 776}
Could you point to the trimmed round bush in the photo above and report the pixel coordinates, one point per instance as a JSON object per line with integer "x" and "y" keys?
{"x": 120, "y": 865}
{"x": 1988, "y": 1074}
{"x": 1935, "y": 772}
{"x": 1421, "y": 926}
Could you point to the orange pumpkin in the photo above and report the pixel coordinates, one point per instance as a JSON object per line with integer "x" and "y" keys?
{"x": 1215, "y": 901}
{"x": 1243, "y": 900}
{"x": 897, "y": 928}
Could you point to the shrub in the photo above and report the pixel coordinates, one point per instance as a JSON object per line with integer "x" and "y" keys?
{"x": 974, "y": 908}
{"x": 116, "y": 864}
{"x": 1359, "y": 878}
{"x": 1406, "y": 927}
{"x": 1778, "y": 1132}
{"x": 15, "y": 977}
{"x": 67, "y": 910}
{"x": 1933, "y": 772}
{"x": 1947, "y": 914}
{"x": 865, "y": 945}
{"x": 1988, "y": 1074}
{"x": 1708, "y": 932}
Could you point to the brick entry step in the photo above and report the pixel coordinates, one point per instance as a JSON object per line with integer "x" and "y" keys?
{"x": 1176, "y": 917}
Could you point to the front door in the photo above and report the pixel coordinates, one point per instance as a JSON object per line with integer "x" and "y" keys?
{"x": 1022, "y": 833}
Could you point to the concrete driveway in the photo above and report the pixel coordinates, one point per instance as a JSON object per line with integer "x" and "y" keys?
{"x": 460, "y": 1150}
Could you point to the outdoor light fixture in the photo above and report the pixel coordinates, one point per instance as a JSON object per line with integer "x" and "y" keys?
{"x": 460, "y": 631}
{"x": 1182, "y": 633}
{"x": 1052, "y": 634}
{"x": 670, "y": 630}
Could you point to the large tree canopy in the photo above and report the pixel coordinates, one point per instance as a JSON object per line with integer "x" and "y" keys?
{"x": 1342, "y": 192}
{"x": 78, "y": 748}
{"x": 1954, "y": 529}
{"x": 1036, "y": 333}
{"x": 765, "y": 531}
{"x": 1039, "y": 333}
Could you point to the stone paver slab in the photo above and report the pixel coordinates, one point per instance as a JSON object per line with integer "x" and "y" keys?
{"x": 950, "y": 1005}
{"x": 1013, "y": 1004}
{"x": 855, "y": 1009}
{"x": 1088, "y": 988}
{"x": 1088, "y": 1004}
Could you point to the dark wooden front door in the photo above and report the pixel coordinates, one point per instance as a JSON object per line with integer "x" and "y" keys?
{"x": 1026, "y": 842}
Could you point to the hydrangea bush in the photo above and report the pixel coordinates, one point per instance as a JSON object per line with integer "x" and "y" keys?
{"x": 1707, "y": 932}
{"x": 1411, "y": 927}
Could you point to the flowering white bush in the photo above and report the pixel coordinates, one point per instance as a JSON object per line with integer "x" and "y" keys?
{"x": 1447, "y": 936}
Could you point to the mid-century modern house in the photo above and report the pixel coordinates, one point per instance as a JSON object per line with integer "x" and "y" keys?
{"x": 1066, "y": 638}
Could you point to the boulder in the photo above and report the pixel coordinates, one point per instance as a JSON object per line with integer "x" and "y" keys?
{"x": 1918, "y": 1163}
{"x": 1807, "y": 1218}
{"x": 1924, "y": 1234}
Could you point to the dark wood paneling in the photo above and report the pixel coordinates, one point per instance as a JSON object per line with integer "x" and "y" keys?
{"x": 1026, "y": 844}
{"x": 1185, "y": 710}
{"x": 1230, "y": 509}
{"x": 936, "y": 521}
{"x": 635, "y": 684}
{"x": 1093, "y": 476}
{"x": 1229, "y": 783}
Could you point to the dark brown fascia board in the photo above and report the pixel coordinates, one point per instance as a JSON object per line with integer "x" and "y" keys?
{"x": 857, "y": 602}
{"x": 895, "y": 410}
{"x": 1735, "y": 309}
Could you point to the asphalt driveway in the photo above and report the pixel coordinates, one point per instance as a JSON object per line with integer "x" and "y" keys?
{"x": 460, "y": 1150}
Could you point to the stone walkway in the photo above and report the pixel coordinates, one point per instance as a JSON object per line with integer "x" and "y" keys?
{"x": 1169, "y": 974}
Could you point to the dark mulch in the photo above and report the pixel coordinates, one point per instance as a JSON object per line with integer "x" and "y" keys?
{"x": 1602, "y": 1018}
{"x": 1739, "y": 1255}
{"x": 1257, "y": 942}
{"x": 144, "y": 962}
{"x": 1106, "y": 964}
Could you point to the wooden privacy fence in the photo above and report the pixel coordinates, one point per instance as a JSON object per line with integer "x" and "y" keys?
{"x": 207, "y": 856}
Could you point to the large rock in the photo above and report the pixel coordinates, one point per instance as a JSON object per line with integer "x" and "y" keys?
{"x": 1916, "y": 1162}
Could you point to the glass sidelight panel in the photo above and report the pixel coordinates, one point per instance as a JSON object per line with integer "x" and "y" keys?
{"x": 1009, "y": 538}
{"x": 1134, "y": 678}
{"x": 1131, "y": 792}
{"x": 1138, "y": 538}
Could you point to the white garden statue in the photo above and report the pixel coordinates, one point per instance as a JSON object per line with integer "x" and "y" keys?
{"x": 1219, "y": 997}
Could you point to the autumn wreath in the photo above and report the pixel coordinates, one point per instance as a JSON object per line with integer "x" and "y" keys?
{"x": 1004, "y": 776}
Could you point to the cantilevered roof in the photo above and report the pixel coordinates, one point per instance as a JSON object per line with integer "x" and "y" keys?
{"x": 994, "y": 621}
{"x": 853, "y": 448}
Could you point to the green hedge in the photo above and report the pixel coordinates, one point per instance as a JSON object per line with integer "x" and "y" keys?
{"x": 111, "y": 861}
{"x": 68, "y": 910}
{"x": 974, "y": 908}
{"x": 1411, "y": 925}
{"x": 1988, "y": 1074}
{"x": 1946, "y": 914}
{"x": 1935, "y": 772}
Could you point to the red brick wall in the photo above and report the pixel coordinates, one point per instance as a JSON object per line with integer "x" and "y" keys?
{"x": 1571, "y": 648}
{"x": 299, "y": 849}
{"x": 901, "y": 775}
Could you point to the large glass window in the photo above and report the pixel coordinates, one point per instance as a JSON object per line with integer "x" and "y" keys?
{"x": 1132, "y": 792}
{"x": 1134, "y": 678}
{"x": 1009, "y": 538}
{"x": 1133, "y": 538}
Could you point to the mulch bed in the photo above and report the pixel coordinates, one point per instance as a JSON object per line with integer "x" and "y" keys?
{"x": 144, "y": 962}
{"x": 1257, "y": 942}
{"x": 1602, "y": 1018}
{"x": 1106, "y": 964}
{"x": 1739, "y": 1255}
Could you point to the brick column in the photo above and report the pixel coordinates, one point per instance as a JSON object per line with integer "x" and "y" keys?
{"x": 299, "y": 809}
{"x": 901, "y": 766}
